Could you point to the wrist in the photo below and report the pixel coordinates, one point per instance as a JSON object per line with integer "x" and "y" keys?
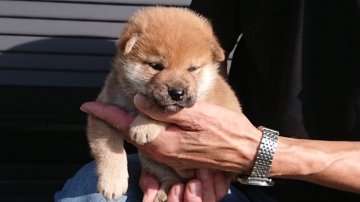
{"x": 250, "y": 150}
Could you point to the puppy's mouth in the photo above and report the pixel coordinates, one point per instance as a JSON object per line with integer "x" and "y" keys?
{"x": 173, "y": 107}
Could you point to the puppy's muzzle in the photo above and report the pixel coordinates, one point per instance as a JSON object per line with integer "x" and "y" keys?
{"x": 180, "y": 98}
{"x": 172, "y": 98}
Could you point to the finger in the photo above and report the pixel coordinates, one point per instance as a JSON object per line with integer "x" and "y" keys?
{"x": 193, "y": 191}
{"x": 221, "y": 185}
{"x": 149, "y": 186}
{"x": 111, "y": 114}
{"x": 150, "y": 109}
{"x": 176, "y": 193}
{"x": 207, "y": 180}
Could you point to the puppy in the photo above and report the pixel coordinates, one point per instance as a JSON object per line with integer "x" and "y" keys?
{"x": 171, "y": 56}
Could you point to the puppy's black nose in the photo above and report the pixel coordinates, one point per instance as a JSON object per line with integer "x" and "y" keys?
{"x": 176, "y": 94}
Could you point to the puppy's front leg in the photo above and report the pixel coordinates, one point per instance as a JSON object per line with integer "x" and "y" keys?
{"x": 144, "y": 129}
{"x": 111, "y": 162}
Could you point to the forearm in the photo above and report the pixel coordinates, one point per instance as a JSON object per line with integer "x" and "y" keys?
{"x": 330, "y": 163}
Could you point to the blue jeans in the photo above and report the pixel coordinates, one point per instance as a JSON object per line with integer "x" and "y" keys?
{"x": 82, "y": 187}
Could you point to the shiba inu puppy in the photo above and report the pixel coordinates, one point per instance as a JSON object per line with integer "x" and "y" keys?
{"x": 172, "y": 57}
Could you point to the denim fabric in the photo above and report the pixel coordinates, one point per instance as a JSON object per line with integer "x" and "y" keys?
{"x": 82, "y": 187}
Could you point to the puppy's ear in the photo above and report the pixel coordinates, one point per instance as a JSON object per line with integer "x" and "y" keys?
{"x": 126, "y": 43}
{"x": 130, "y": 44}
{"x": 217, "y": 52}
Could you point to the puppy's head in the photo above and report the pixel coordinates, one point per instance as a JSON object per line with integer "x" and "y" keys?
{"x": 169, "y": 54}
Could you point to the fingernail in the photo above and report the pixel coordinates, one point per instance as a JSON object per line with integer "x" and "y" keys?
{"x": 140, "y": 101}
{"x": 195, "y": 188}
{"x": 83, "y": 108}
{"x": 178, "y": 190}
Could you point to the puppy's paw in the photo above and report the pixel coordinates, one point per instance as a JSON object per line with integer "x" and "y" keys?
{"x": 144, "y": 130}
{"x": 143, "y": 134}
{"x": 113, "y": 187}
{"x": 161, "y": 196}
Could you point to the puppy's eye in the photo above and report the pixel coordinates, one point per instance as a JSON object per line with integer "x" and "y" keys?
{"x": 191, "y": 69}
{"x": 156, "y": 66}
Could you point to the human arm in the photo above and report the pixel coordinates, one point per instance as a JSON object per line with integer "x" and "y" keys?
{"x": 229, "y": 142}
{"x": 333, "y": 164}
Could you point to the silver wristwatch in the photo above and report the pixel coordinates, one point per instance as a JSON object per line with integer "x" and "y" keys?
{"x": 260, "y": 173}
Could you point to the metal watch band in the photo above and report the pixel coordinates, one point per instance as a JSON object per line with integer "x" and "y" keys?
{"x": 260, "y": 172}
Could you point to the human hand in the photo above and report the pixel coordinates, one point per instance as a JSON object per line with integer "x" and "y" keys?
{"x": 210, "y": 186}
{"x": 203, "y": 136}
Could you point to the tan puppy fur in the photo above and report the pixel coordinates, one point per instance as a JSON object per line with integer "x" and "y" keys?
{"x": 171, "y": 56}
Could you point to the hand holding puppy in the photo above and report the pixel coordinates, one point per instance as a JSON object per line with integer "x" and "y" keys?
{"x": 230, "y": 141}
{"x": 194, "y": 139}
